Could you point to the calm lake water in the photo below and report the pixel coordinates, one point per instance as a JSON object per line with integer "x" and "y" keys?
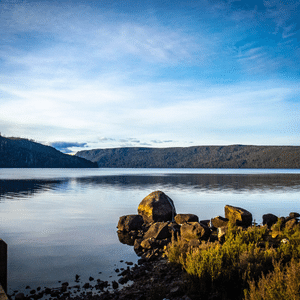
{"x": 62, "y": 222}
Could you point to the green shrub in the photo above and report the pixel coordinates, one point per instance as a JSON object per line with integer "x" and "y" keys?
{"x": 240, "y": 261}
{"x": 176, "y": 251}
{"x": 282, "y": 283}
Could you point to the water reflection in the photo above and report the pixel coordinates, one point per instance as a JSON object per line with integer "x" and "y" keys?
{"x": 209, "y": 182}
{"x": 218, "y": 182}
{"x": 67, "y": 225}
{"x": 25, "y": 188}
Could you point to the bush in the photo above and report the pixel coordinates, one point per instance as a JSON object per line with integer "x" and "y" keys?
{"x": 238, "y": 263}
{"x": 282, "y": 283}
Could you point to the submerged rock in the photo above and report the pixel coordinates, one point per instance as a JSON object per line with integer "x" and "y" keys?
{"x": 20, "y": 296}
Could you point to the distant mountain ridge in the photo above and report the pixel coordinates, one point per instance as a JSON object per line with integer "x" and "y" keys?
{"x": 23, "y": 153}
{"x": 233, "y": 156}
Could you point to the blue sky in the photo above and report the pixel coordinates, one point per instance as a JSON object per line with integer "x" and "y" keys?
{"x": 101, "y": 74}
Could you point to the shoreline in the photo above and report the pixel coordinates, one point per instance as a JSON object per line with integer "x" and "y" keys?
{"x": 158, "y": 234}
{"x": 145, "y": 280}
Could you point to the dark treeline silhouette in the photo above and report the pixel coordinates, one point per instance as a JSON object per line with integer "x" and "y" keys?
{"x": 234, "y": 156}
{"x": 24, "y": 153}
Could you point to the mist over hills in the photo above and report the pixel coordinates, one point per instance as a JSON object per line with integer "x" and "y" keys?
{"x": 24, "y": 153}
{"x": 233, "y": 156}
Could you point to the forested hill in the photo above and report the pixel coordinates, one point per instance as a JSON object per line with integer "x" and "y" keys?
{"x": 23, "y": 153}
{"x": 234, "y": 156}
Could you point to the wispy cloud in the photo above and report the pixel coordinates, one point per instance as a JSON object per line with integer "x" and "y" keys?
{"x": 283, "y": 14}
{"x": 105, "y": 139}
{"x": 161, "y": 142}
{"x": 256, "y": 59}
{"x": 109, "y": 78}
{"x": 88, "y": 35}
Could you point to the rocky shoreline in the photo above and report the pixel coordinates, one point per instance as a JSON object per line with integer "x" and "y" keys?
{"x": 157, "y": 225}
{"x": 151, "y": 232}
{"x": 147, "y": 280}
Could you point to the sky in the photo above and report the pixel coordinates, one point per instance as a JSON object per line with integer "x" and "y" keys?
{"x": 82, "y": 75}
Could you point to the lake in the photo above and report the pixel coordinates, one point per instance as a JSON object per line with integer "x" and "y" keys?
{"x": 62, "y": 222}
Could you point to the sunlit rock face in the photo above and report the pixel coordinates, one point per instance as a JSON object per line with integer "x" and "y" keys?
{"x": 184, "y": 218}
{"x": 218, "y": 222}
{"x": 194, "y": 230}
{"x": 238, "y": 216}
{"x": 157, "y": 207}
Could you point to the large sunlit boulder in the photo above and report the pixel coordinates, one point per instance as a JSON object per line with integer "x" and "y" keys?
{"x": 157, "y": 207}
